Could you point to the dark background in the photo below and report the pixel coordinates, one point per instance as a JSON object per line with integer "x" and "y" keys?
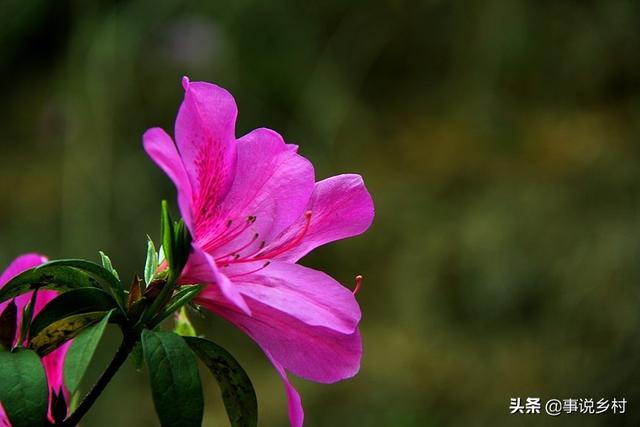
{"x": 499, "y": 140}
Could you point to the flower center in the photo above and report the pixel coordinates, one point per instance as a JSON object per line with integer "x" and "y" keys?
{"x": 261, "y": 252}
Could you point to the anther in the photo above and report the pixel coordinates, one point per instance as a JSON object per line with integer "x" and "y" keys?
{"x": 358, "y": 285}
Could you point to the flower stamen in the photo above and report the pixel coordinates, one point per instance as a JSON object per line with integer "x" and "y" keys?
{"x": 286, "y": 246}
{"x": 225, "y": 238}
{"x": 359, "y": 279}
{"x": 265, "y": 265}
{"x": 236, "y": 253}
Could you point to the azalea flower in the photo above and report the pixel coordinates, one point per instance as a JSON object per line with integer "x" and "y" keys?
{"x": 254, "y": 209}
{"x": 54, "y": 361}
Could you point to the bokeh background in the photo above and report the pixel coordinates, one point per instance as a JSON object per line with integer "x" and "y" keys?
{"x": 499, "y": 139}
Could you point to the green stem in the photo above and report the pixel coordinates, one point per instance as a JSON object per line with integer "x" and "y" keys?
{"x": 128, "y": 342}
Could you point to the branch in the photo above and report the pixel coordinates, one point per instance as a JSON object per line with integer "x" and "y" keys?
{"x": 118, "y": 359}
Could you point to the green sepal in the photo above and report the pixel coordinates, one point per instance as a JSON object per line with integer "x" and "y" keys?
{"x": 151, "y": 263}
{"x": 81, "y": 352}
{"x": 167, "y": 232}
{"x": 238, "y": 393}
{"x": 182, "y": 244}
{"x": 23, "y": 388}
{"x": 183, "y": 325}
{"x": 184, "y": 294}
{"x": 175, "y": 381}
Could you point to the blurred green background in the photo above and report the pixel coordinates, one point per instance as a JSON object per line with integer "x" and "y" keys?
{"x": 499, "y": 139}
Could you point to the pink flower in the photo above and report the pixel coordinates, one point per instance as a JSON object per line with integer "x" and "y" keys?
{"x": 54, "y": 361}
{"x": 254, "y": 209}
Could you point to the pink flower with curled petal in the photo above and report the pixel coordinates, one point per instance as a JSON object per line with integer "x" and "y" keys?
{"x": 254, "y": 209}
{"x": 54, "y": 361}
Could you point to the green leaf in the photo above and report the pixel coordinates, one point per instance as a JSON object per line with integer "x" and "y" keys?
{"x": 77, "y": 301}
{"x": 64, "y": 275}
{"x": 57, "y": 333}
{"x": 151, "y": 264}
{"x": 237, "y": 391}
{"x": 175, "y": 381}
{"x": 8, "y": 326}
{"x": 183, "y": 324}
{"x": 168, "y": 234}
{"x": 60, "y": 278}
{"x": 106, "y": 263}
{"x": 27, "y": 317}
{"x": 100, "y": 276}
{"x": 75, "y": 402}
{"x": 23, "y": 388}
{"x": 81, "y": 352}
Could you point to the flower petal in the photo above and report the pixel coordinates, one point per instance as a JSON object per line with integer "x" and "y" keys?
{"x": 21, "y": 264}
{"x": 53, "y": 362}
{"x": 340, "y": 207}
{"x": 17, "y": 266}
{"x": 313, "y": 352}
{"x": 201, "y": 269}
{"x": 160, "y": 147}
{"x": 273, "y": 184}
{"x": 205, "y": 136}
{"x": 311, "y": 296}
{"x": 54, "y": 368}
{"x": 296, "y": 412}
{"x": 4, "y": 420}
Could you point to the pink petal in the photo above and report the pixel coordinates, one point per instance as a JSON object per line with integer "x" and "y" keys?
{"x": 21, "y": 264}
{"x": 17, "y": 266}
{"x": 54, "y": 369}
{"x": 313, "y": 352}
{"x": 53, "y": 362}
{"x": 205, "y": 136}
{"x": 296, "y": 412}
{"x": 311, "y": 296}
{"x": 340, "y": 207}
{"x": 4, "y": 420}
{"x": 160, "y": 147}
{"x": 201, "y": 269}
{"x": 273, "y": 184}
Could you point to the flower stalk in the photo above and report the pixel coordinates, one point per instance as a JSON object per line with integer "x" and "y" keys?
{"x": 127, "y": 345}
